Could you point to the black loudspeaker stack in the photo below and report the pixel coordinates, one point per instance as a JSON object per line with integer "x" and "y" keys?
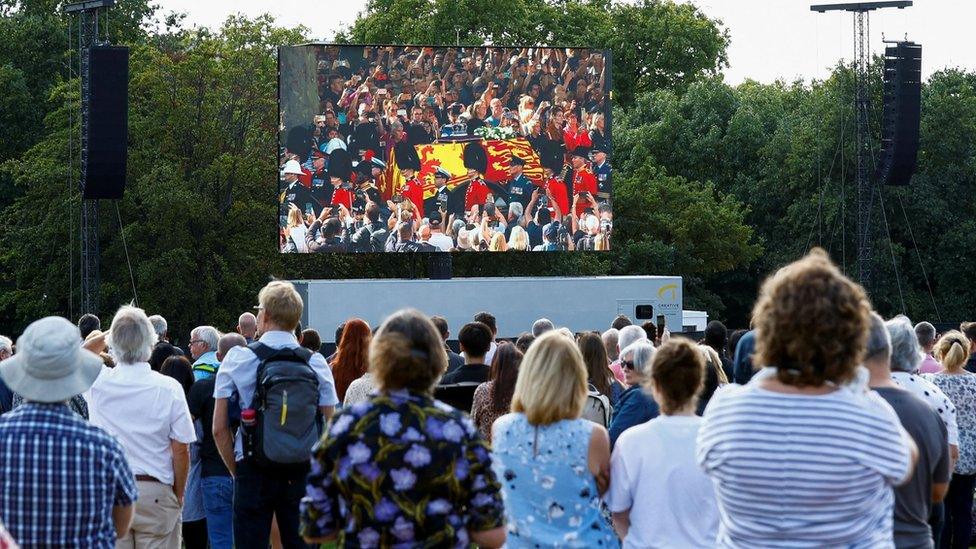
{"x": 107, "y": 131}
{"x": 902, "y": 112}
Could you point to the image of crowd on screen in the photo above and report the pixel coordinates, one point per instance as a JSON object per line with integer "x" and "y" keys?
{"x": 337, "y": 188}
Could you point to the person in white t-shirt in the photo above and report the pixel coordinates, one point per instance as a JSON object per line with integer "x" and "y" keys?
{"x": 147, "y": 412}
{"x": 658, "y": 495}
{"x": 437, "y": 238}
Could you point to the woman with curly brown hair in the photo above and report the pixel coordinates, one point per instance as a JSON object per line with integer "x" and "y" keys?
{"x": 804, "y": 452}
{"x": 952, "y": 351}
{"x": 352, "y": 357}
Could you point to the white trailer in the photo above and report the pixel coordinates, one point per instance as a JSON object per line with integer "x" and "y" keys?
{"x": 579, "y": 303}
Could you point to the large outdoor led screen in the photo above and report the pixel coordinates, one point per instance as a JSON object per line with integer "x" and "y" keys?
{"x": 426, "y": 149}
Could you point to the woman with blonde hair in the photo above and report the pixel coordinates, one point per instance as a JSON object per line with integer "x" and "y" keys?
{"x": 714, "y": 377}
{"x": 519, "y": 240}
{"x": 553, "y": 464}
{"x": 952, "y": 351}
{"x": 497, "y": 243}
{"x": 295, "y": 231}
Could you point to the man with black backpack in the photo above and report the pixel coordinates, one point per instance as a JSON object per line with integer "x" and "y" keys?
{"x": 285, "y": 393}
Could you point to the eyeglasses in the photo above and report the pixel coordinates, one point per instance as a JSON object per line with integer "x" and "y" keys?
{"x": 193, "y": 341}
{"x": 628, "y": 364}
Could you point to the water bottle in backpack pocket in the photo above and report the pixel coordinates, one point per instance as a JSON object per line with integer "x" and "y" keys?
{"x": 288, "y": 421}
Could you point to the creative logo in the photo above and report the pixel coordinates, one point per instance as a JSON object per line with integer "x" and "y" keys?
{"x": 669, "y": 290}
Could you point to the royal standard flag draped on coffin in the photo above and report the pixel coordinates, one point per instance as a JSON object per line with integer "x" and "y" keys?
{"x": 450, "y": 157}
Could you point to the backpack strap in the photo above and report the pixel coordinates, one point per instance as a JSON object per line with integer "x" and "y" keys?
{"x": 260, "y": 350}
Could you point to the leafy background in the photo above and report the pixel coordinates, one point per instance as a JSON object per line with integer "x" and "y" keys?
{"x": 717, "y": 183}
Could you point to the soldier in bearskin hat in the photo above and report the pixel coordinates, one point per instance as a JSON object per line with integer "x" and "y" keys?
{"x": 408, "y": 162}
{"x": 340, "y": 169}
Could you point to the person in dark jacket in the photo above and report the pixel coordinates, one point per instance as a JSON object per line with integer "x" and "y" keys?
{"x": 372, "y": 236}
{"x": 742, "y": 362}
{"x": 634, "y": 406}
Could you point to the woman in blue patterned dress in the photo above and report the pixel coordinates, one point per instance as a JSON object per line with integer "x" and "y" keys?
{"x": 402, "y": 469}
{"x": 553, "y": 465}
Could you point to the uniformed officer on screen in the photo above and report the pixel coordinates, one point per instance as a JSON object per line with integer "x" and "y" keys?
{"x": 296, "y": 193}
{"x": 409, "y": 164}
{"x": 442, "y": 196}
{"x": 519, "y": 186}
{"x": 601, "y": 168}
{"x": 366, "y": 191}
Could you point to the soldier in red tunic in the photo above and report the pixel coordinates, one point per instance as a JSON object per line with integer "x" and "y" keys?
{"x": 583, "y": 179}
{"x": 340, "y": 168}
{"x": 476, "y": 161}
{"x": 409, "y": 163}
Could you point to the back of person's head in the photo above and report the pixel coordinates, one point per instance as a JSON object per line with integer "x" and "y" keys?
{"x": 952, "y": 350}
{"x": 542, "y": 326}
{"x": 159, "y": 325}
{"x": 206, "y": 334}
{"x": 811, "y": 323}
{"x": 331, "y": 227}
{"x": 88, "y": 323}
{"x": 442, "y": 327}
{"x": 281, "y": 305}
{"x": 247, "y": 324}
{"x": 524, "y": 341}
{"x": 878, "y": 345}
{"x": 227, "y": 342}
{"x": 595, "y": 359}
{"x": 504, "y": 373}
{"x": 298, "y": 332}
{"x": 338, "y": 333}
{"x": 906, "y": 353}
{"x": 620, "y": 322}
{"x": 639, "y": 353}
{"x": 311, "y": 339}
{"x": 969, "y": 330}
{"x": 610, "y": 340}
{"x": 925, "y": 333}
{"x": 734, "y": 338}
{"x": 475, "y": 339}
{"x": 407, "y": 353}
{"x": 566, "y": 332}
{"x": 677, "y": 374}
{"x": 372, "y": 212}
{"x": 630, "y": 334}
{"x": 716, "y": 335}
{"x": 132, "y": 336}
{"x": 650, "y": 330}
{"x": 714, "y": 362}
{"x": 487, "y": 319}
{"x": 551, "y": 382}
{"x": 180, "y": 369}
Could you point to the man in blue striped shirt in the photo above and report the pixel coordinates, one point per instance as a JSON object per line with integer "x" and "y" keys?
{"x": 65, "y": 483}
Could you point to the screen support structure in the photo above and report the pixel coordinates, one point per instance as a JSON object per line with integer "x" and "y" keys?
{"x": 866, "y": 186}
{"x": 86, "y": 15}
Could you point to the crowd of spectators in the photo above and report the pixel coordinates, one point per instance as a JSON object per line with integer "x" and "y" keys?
{"x": 632, "y": 436}
{"x": 337, "y": 191}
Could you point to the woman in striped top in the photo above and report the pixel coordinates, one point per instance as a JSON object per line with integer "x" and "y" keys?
{"x": 804, "y": 455}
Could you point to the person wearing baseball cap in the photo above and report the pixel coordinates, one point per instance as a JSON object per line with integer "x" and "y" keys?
{"x": 59, "y": 448}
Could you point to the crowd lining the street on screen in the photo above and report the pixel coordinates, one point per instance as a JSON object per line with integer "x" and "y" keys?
{"x": 823, "y": 425}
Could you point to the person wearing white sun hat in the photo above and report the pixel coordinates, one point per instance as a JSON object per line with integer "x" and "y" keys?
{"x": 59, "y": 448}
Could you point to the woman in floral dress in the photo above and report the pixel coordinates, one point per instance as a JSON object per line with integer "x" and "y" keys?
{"x": 402, "y": 469}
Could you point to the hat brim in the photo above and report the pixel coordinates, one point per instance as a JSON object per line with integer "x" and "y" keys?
{"x": 13, "y": 371}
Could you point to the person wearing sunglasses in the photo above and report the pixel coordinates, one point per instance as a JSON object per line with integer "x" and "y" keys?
{"x": 634, "y": 405}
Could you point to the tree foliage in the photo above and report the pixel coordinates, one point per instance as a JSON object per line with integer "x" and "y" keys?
{"x": 718, "y": 184}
